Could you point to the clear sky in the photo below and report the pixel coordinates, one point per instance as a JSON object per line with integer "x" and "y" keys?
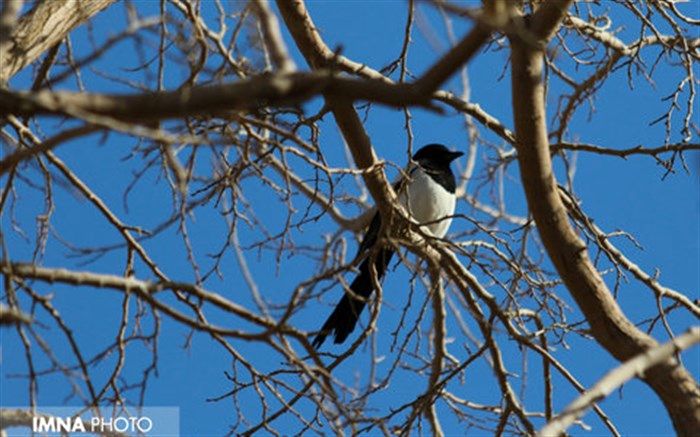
{"x": 662, "y": 211}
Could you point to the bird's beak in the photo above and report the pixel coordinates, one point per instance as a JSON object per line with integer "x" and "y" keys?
{"x": 455, "y": 155}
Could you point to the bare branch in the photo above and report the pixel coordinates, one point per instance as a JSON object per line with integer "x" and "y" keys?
{"x": 283, "y": 89}
{"x": 223, "y": 151}
{"x": 624, "y": 153}
{"x": 10, "y": 316}
{"x": 273, "y": 36}
{"x": 42, "y": 28}
{"x": 145, "y": 289}
{"x": 569, "y": 254}
{"x": 8, "y": 16}
{"x": 635, "y": 367}
{"x": 454, "y": 59}
{"x": 547, "y": 18}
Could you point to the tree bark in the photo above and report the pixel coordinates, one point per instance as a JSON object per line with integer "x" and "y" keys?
{"x": 42, "y": 28}
{"x": 616, "y": 378}
{"x": 671, "y": 381}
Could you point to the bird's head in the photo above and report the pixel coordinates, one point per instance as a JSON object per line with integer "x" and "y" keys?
{"x": 436, "y": 155}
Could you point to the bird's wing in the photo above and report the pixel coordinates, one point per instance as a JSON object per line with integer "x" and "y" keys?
{"x": 370, "y": 237}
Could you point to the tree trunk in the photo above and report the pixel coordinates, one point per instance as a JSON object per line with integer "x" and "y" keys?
{"x": 672, "y": 382}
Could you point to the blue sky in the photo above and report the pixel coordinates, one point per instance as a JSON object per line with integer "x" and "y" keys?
{"x": 663, "y": 213}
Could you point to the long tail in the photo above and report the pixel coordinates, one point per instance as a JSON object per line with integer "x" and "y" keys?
{"x": 344, "y": 317}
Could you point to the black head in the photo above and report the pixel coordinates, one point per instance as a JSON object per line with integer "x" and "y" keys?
{"x": 435, "y": 160}
{"x": 436, "y": 155}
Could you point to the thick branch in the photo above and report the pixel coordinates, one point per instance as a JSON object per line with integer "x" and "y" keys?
{"x": 8, "y": 14}
{"x": 546, "y": 19}
{"x": 616, "y": 378}
{"x": 318, "y": 55}
{"x": 42, "y": 28}
{"x": 9, "y": 316}
{"x": 259, "y": 91}
{"x": 274, "y": 42}
{"x": 609, "y": 325}
{"x": 454, "y": 59}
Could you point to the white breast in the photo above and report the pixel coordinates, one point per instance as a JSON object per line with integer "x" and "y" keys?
{"x": 428, "y": 202}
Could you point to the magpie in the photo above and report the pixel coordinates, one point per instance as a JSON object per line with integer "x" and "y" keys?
{"x": 428, "y": 194}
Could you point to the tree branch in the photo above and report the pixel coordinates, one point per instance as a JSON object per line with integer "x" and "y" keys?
{"x": 636, "y": 367}
{"x": 318, "y": 55}
{"x": 145, "y": 289}
{"x": 546, "y": 20}
{"x": 9, "y": 316}
{"x": 8, "y": 16}
{"x": 459, "y": 55}
{"x": 42, "y": 28}
{"x": 611, "y": 328}
{"x": 283, "y": 89}
{"x": 624, "y": 153}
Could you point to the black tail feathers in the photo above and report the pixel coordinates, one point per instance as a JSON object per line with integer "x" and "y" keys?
{"x": 344, "y": 317}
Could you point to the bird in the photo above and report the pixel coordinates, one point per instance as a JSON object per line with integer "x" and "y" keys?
{"x": 427, "y": 191}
